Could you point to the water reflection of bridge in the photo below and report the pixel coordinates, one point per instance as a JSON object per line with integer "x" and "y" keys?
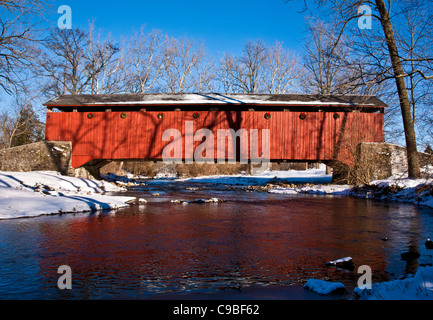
{"x": 258, "y": 240}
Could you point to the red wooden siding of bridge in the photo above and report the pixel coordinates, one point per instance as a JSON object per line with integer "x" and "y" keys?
{"x": 107, "y": 135}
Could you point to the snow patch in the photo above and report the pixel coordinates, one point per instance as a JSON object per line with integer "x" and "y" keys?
{"x": 30, "y": 194}
{"x": 416, "y": 191}
{"x": 417, "y": 287}
{"x": 342, "y": 260}
{"x": 211, "y": 200}
{"x": 316, "y": 176}
{"x": 324, "y": 287}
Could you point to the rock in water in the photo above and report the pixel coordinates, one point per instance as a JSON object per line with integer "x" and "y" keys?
{"x": 429, "y": 244}
{"x": 325, "y": 287}
{"x": 410, "y": 255}
{"x": 137, "y": 201}
{"x": 345, "y": 263}
{"x": 215, "y": 200}
{"x": 198, "y": 201}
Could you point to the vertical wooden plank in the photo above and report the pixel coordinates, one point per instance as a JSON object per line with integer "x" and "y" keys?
{"x": 151, "y": 127}
{"x": 303, "y": 137}
{"x": 94, "y": 140}
{"x": 248, "y": 119}
{"x": 302, "y": 141}
{"x": 255, "y": 124}
{"x": 328, "y": 142}
{"x": 283, "y": 125}
{"x": 140, "y": 135}
{"x": 288, "y": 135}
{"x": 79, "y": 133}
{"x": 111, "y": 118}
{"x": 132, "y": 136}
{"x": 220, "y": 153}
{"x": 275, "y": 134}
{"x": 50, "y": 127}
{"x": 313, "y": 133}
{"x": 295, "y": 144}
{"x": 291, "y": 135}
{"x": 277, "y": 147}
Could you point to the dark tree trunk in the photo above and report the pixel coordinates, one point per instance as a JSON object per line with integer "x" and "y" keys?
{"x": 409, "y": 130}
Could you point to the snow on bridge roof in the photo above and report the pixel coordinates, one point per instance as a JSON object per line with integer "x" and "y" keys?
{"x": 154, "y": 99}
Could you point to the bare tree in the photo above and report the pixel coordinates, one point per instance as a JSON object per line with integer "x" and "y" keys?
{"x": 19, "y": 20}
{"x": 74, "y": 61}
{"x": 182, "y": 61}
{"x": 19, "y": 123}
{"x": 104, "y": 65}
{"x": 282, "y": 71}
{"x": 204, "y": 77}
{"x": 333, "y": 67}
{"x": 244, "y": 74}
{"x": 414, "y": 37}
{"x": 25, "y": 6}
{"x": 229, "y": 74}
{"x": 382, "y": 50}
{"x": 252, "y": 61}
{"x": 324, "y": 62}
{"x": 144, "y": 61}
{"x": 260, "y": 69}
{"x": 63, "y": 63}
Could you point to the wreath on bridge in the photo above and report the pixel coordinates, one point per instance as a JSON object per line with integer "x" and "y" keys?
{"x": 196, "y": 115}
{"x": 302, "y": 116}
{"x": 267, "y": 115}
{"x": 90, "y": 115}
{"x": 123, "y": 115}
{"x": 160, "y": 115}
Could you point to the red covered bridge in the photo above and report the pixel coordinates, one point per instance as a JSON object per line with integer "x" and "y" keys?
{"x": 131, "y": 126}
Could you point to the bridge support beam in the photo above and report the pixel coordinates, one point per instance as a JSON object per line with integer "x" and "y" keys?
{"x": 91, "y": 170}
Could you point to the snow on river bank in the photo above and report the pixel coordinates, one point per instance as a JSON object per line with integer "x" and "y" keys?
{"x": 416, "y": 287}
{"x": 416, "y": 191}
{"x": 28, "y": 194}
{"x": 311, "y": 176}
{"x": 35, "y": 193}
{"x": 316, "y": 181}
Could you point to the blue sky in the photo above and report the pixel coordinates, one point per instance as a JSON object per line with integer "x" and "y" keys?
{"x": 223, "y": 25}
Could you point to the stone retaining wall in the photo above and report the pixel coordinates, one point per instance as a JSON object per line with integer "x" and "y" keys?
{"x": 39, "y": 156}
{"x": 377, "y": 161}
{"x": 390, "y": 159}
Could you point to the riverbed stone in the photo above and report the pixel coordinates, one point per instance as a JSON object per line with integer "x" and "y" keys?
{"x": 344, "y": 263}
{"x": 410, "y": 255}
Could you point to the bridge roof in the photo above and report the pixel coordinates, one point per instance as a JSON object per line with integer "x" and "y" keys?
{"x": 166, "y": 99}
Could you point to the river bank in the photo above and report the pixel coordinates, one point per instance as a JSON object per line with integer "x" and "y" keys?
{"x": 316, "y": 181}
{"x": 30, "y": 194}
{"x": 416, "y": 191}
{"x": 26, "y": 194}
